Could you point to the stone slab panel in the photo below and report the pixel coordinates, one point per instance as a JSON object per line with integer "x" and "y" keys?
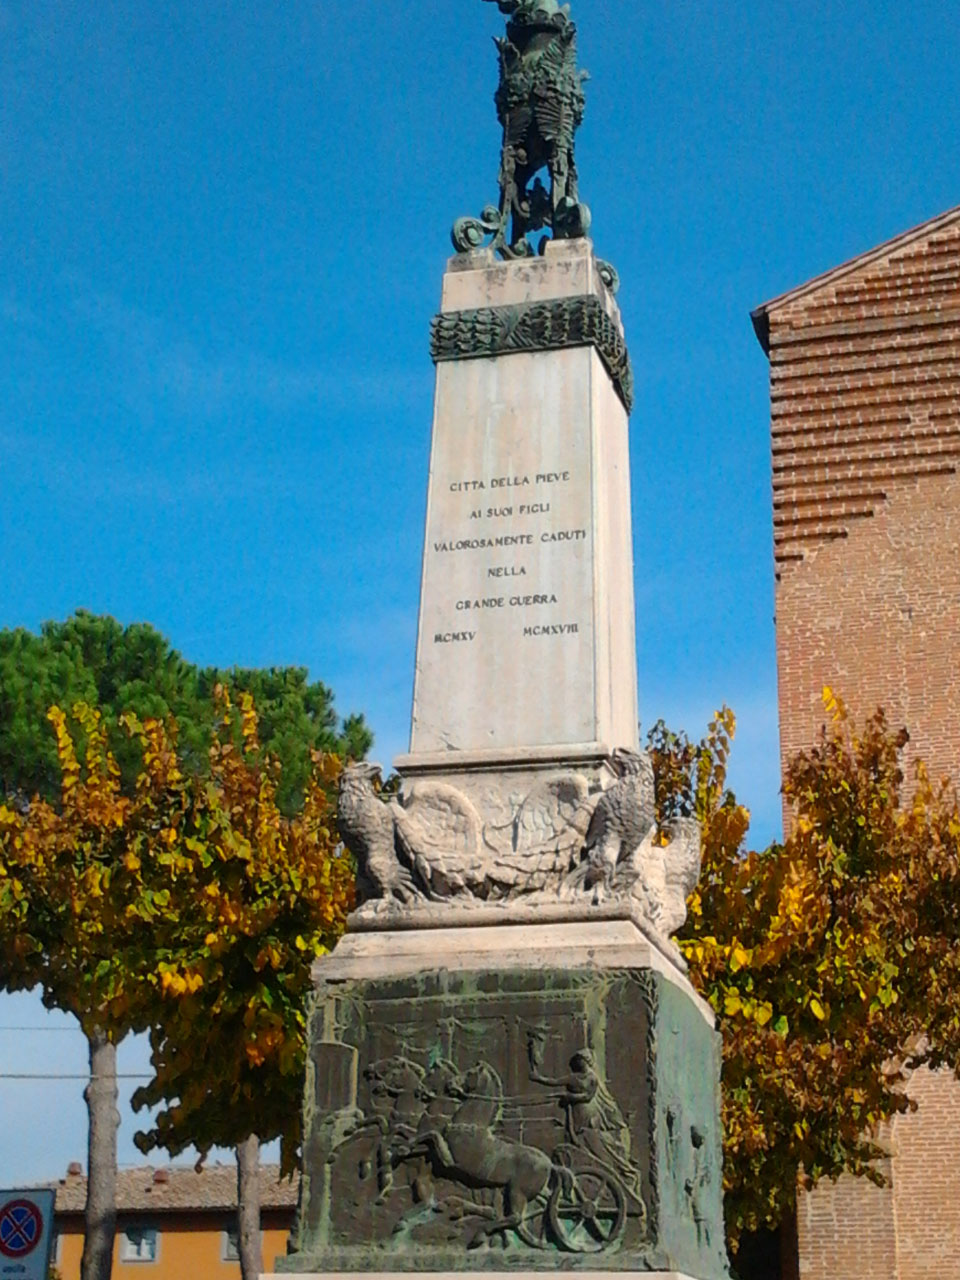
{"x": 507, "y": 605}
{"x": 567, "y": 270}
{"x": 527, "y": 944}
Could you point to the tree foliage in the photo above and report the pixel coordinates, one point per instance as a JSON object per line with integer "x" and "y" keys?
{"x": 96, "y": 661}
{"x": 76, "y": 914}
{"x": 77, "y": 919}
{"x": 256, "y": 898}
{"x": 193, "y": 907}
{"x": 832, "y": 960}
{"x": 185, "y": 902}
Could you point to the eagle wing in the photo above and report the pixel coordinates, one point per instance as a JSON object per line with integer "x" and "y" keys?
{"x": 682, "y": 863}
{"x": 438, "y": 830}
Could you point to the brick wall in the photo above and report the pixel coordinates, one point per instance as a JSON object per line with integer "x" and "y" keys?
{"x": 865, "y": 409}
{"x": 864, "y": 390}
{"x": 846, "y": 1231}
{"x": 926, "y": 1180}
{"x": 865, "y": 406}
{"x": 876, "y": 615}
{"x": 908, "y": 1229}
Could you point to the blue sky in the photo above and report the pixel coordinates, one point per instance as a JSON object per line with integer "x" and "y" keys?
{"x": 222, "y": 231}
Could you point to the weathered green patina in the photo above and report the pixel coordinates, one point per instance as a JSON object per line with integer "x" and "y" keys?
{"x": 535, "y": 326}
{"x": 524, "y": 1120}
{"x": 540, "y": 104}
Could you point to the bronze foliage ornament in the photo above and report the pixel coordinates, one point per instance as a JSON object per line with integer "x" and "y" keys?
{"x": 535, "y": 326}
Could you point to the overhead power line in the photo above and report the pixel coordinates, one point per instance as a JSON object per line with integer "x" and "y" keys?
{"x": 73, "y": 1031}
{"x": 32, "y": 1075}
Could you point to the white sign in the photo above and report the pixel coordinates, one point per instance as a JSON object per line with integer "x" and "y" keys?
{"x": 26, "y": 1234}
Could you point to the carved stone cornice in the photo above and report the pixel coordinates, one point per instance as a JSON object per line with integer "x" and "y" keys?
{"x": 535, "y": 326}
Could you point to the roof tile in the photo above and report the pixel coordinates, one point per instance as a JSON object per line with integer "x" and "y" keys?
{"x": 213, "y": 1188}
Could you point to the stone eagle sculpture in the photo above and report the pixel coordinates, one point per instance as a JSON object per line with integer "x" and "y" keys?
{"x": 625, "y": 856}
{"x": 368, "y": 829}
{"x": 431, "y": 845}
{"x": 563, "y": 841}
{"x": 625, "y": 815}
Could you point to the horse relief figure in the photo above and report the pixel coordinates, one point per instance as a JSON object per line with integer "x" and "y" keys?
{"x": 382, "y": 1138}
{"x": 429, "y": 1156}
{"x": 440, "y": 1090}
{"x": 542, "y": 1201}
{"x": 467, "y": 1150}
{"x": 540, "y": 104}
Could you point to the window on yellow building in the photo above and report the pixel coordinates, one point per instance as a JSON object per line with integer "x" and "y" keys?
{"x": 230, "y": 1245}
{"x": 139, "y": 1244}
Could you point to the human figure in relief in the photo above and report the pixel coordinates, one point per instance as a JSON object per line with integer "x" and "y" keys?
{"x": 594, "y": 1121}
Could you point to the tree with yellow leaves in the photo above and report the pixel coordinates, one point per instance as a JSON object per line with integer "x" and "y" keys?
{"x": 187, "y": 901}
{"x": 76, "y": 917}
{"x": 259, "y": 898}
{"x": 827, "y": 958}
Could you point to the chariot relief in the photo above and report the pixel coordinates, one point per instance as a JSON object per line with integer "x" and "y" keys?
{"x": 431, "y": 1158}
{"x": 513, "y": 1120}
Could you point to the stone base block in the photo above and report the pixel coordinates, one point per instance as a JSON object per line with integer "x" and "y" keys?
{"x": 508, "y": 938}
{"x": 504, "y": 1275}
{"x": 511, "y": 1119}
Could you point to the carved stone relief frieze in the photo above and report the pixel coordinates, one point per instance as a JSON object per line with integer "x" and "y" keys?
{"x": 562, "y": 839}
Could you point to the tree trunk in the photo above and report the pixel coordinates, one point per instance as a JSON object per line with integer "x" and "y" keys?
{"x": 104, "y": 1120}
{"x": 248, "y": 1208}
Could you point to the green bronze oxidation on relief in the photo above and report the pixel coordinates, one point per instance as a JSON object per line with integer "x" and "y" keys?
{"x": 689, "y": 1141}
{"x": 535, "y": 326}
{"x": 510, "y": 1121}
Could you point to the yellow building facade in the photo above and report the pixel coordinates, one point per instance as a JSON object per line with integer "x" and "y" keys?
{"x": 174, "y": 1224}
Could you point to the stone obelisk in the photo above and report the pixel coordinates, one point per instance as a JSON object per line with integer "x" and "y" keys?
{"x": 509, "y": 1070}
{"x": 527, "y": 568}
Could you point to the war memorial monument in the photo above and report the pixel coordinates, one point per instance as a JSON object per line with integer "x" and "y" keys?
{"x": 509, "y": 1069}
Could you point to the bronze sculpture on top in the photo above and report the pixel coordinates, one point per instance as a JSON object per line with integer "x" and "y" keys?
{"x": 540, "y": 103}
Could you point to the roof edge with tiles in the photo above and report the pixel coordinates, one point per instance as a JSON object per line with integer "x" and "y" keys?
{"x": 182, "y": 1190}
{"x": 761, "y": 315}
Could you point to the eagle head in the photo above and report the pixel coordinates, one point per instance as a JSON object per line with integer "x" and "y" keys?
{"x": 359, "y": 777}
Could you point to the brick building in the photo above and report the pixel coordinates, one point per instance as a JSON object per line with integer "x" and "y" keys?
{"x": 174, "y": 1223}
{"x": 865, "y": 409}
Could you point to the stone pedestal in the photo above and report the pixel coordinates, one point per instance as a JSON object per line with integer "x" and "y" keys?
{"x": 514, "y": 1275}
{"x": 546, "y": 1100}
